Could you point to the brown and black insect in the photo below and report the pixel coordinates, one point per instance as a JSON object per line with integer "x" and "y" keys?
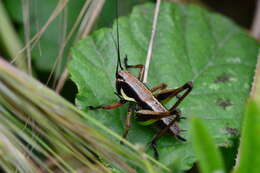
{"x": 147, "y": 104}
{"x": 149, "y": 109}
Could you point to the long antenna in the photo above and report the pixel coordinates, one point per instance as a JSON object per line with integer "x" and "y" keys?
{"x": 117, "y": 37}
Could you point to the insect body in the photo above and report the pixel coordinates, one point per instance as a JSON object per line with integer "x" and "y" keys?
{"x": 144, "y": 101}
{"x": 148, "y": 105}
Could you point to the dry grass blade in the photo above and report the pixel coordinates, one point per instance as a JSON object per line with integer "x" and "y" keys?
{"x": 59, "y": 8}
{"x": 90, "y": 18}
{"x": 12, "y": 146}
{"x": 91, "y": 11}
{"x": 255, "y": 30}
{"x": 48, "y": 134}
{"x": 151, "y": 43}
{"x": 68, "y": 38}
{"x": 26, "y": 23}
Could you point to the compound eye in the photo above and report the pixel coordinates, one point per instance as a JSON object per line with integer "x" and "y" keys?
{"x": 120, "y": 80}
{"x": 118, "y": 76}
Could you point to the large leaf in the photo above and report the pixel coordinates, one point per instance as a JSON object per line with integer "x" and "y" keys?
{"x": 191, "y": 44}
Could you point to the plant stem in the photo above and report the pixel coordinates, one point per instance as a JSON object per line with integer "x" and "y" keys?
{"x": 151, "y": 43}
{"x": 255, "y": 30}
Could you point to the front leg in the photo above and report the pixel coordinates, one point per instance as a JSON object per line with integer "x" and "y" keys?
{"x": 140, "y": 66}
{"x": 161, "y": 86}
{"x": 111, "y": 106}
{"x": 128, "y": 121}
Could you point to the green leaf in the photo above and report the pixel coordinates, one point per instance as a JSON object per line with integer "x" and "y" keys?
{"x": 249, "y": 149}
{"x": 206, "y": 151}
{"x": 191, "y": 44}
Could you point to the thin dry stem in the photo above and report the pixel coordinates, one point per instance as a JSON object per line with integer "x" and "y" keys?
{"x": 57, "y": 64}
{"x": 62, "y": 81}
{"x": 26, "y": 24}
{"x": 151, "y": 43}
{"x": 91, "y": 16}
{"x": 59, "y": 8}
{"x": 63, "y": 38}
{"x": 86, "y": 26}
{"x": 255, "y": 30}
{"x": 68, "y": 38}
{"x": 177, "y": 0}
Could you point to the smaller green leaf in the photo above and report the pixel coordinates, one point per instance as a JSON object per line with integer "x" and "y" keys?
{"x": 249, "y": 160}
{"x": 209, "y": 157}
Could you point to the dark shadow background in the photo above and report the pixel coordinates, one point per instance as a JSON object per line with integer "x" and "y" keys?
{"x": 241, "y": 11}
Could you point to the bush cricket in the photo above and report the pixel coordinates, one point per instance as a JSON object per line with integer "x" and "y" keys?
{"x": 145, "y": 102}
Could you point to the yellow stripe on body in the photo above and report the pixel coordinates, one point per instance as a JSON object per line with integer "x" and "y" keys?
{"x": 126, "y": 97}
{"x": 148, "y": 122}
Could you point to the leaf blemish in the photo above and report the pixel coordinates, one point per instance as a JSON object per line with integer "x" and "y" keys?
{"x": 214, "y": 86}
{"x": 234, "y": 60}
{"x": 224, "y": 103}
{"x": 232, "y": 131}
{"x": 224, "y": 78}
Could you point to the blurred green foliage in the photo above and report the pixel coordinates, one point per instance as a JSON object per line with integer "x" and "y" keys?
{"x": 46, "y": 51}
{"x": 247, "y": 160}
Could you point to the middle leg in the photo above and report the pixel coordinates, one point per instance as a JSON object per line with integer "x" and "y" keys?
{"x": 140, "y": 66}
{"x": 111, "y": 106}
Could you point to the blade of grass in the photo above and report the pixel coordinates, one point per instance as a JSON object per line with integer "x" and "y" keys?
{"x": 69, "y": 37}
{"x": 56, "y": 12}
{"x": 26, "y": 25}
{"x": 255, "y": 91}
{"x": 10, "y": 39}
{"x": 208, "y": 155}
{"x": 249, "y": 150}
{"x": 87, "y": 22}
{"x": 54, "y": 131}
